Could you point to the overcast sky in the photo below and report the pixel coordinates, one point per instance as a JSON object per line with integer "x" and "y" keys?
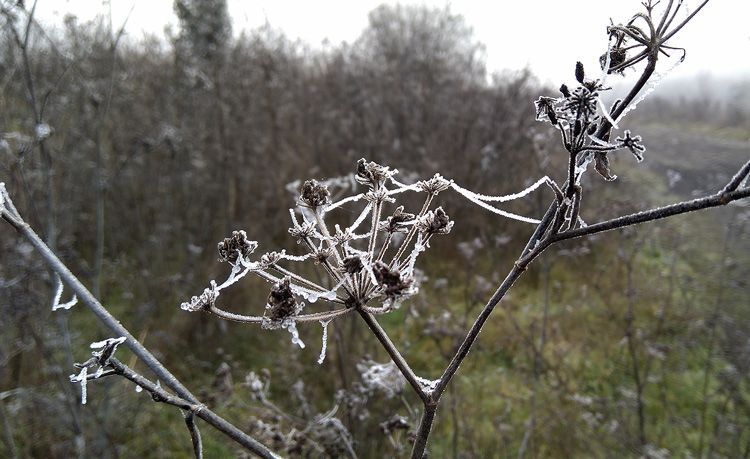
{"x": 548, "y": 36}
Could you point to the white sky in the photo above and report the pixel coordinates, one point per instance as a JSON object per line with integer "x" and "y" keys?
{"x": 548, "y": 36}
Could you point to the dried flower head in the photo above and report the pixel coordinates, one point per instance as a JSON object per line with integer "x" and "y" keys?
{"x": 397, "y": 223}
{"x": 545, "y": 109}
{"x": 582, "y": 101}
{"x": 270, "y": 259}
{"x": 434, "y": 185}
{"x": 281, "y": 302}
{"x": 390, "y": 280}
{"x": 302, "y": 231}
{"x": 322, "y": 255}
{"x": 353, "y": 264}
{"x": 314, "y": 194}
{"x": 633, "y": 144}
{"x": 372, "y": 174}
{"x": 617, "y": 57}
{"x": 203, "y": 301}
{"x": 231, "y": 248}
{"x": 435, "y": 222}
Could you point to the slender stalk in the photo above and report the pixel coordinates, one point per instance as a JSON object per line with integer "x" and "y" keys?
{"x": 85, "y": 296}
{"x": 314, "y": 317}
{"x": 412, "y": 231}
{"x": 393, "y": 352}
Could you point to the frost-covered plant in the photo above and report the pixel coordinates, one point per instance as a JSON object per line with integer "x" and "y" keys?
{"x": 372, "y": 271}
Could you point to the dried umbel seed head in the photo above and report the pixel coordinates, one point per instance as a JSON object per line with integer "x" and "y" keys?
{"x": 582, "y": 101}
{"x": 435, "y": 222}
{"x": 203, "y": 301}
{"x": 396, "y": 223}
{"x": 303, "y": 231}
{"x": 633, "y": 144}
{"x": 372, "y": 174}
{"x": 281, "y": 303}
{"x": 353, "y": 264}
{"x": 545, "y": 109}
{"x": 231, "y": 248}
{"x": 617, "y": 56}
{"x": 434, "y": 185}
{"x": 322, "y": 255}
{"x": 314, "y": 194}
{"x": 270, "y": 259}
{"x": 390, "y": 279}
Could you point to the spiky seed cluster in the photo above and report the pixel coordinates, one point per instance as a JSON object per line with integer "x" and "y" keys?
{"x": 633, "y": 144}
{"x": 545, "y": 108}
{"x": 391, "y": 281}
{"x": 231, "y": 248}
{"x": 314, "y": 194}
{"x": 281, "y": 302}
{"x": 203, "y": 301}
{"x": 434, "y": 185}
{"x": 323, "y": 255}
{"x": 435, "y": 222}
{"x": 372, "y": 174}
{"x": 617, "y": 57}
{"x": 575, "y": 115}
{"x": 302, "y": 231}
{"x": 396, "y": 223}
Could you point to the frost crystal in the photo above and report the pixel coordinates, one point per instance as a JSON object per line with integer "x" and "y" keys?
{"x": 82, "y": 379}
{"x": 325, "y": 341}
{"x": 58, "y": 295}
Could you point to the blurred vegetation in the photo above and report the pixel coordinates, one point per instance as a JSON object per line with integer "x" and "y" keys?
{"x": 635, "y": 343}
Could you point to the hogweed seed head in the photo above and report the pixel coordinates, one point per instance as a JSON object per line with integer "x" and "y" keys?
{"x": 281, "y": 302}
{"x": 391, "y": 281}
{"x": 397, "y": 223}
{"x": 435, "y": 222}
{"x": 434, "y": 185}
{"x": 203, "y": 301}
{"x": 235, "y": 246}
{"x": 633, "y": 144}
{"x": 314, "y": 194}
{"x": 352, "y": 264}
{"x": 372, "y": 174}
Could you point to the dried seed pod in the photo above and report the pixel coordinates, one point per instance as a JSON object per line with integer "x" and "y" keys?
{"x": 396, "y": 223}
{"x": 314, "y": 194}
{"x": 434, "y": 185}
{"x": 372, "y": 174}
{"x": 435, "y": 222}
{"x": 352, "y": 264}
{"x": 390, "y": 279}
{"x": 281, "y": 302}
{"x": 231, "y": 248}
{"x": 579, "y": 72}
